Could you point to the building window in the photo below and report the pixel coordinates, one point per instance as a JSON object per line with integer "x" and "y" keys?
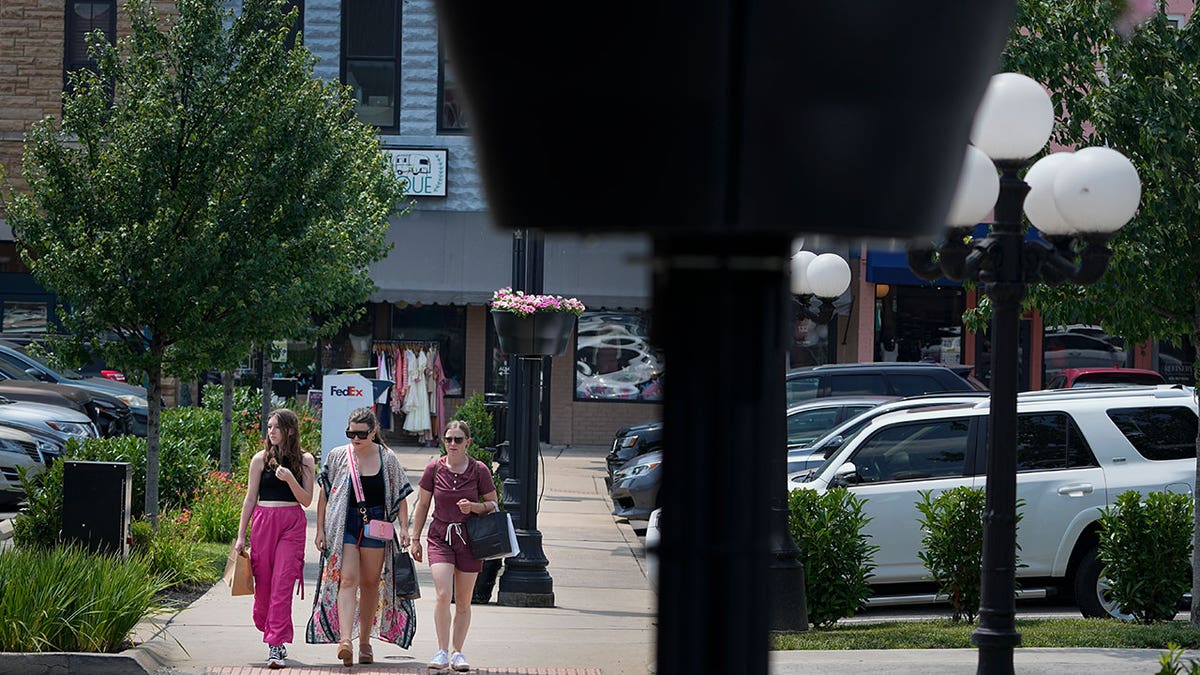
{"x": 452, "y": 117}
{"x": 83, "y": 17}
{"x": 371, "y": 59}
{"x": 444, "y": 324}
{"x": 24, "y": 317}
{"x": 614, "y": 360}
{"x": 1079, "y": 346}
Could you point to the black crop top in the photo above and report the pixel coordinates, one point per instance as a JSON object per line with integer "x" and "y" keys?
{"x": 373, "y": 489}
{"x": 271, "y": 489}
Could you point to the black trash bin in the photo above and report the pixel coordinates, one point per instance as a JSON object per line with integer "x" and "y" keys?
{"x": 96, "y": 505}
{"x": 497, "y": 405}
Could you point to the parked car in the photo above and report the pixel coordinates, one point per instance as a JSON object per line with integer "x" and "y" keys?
{"x": 653, "y": 536}
{"x": 631, "y": 441}
{"x": 18, "y": 451}
{"x": 635, "y": 486}
{"x": 110, "y": 415}
{"x": 811, "y": 420}
{"x": 1099, "y": 377}
{"x": 876, "y": 379}
{"x": 132, "y": 395}
{"x": 1076, "y": 451}
{"x": 57, "y": 424}
{"x": 1077, "y": 350}
{"x": 808, "y": 457}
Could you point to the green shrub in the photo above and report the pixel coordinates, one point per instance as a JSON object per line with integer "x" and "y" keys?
{"x": 65, "y": 599}
{"x": 182, "y": 465}
{"x": 38, "y": 523}
{"x": 198, "y": 426}
{"x": 176, "y": 553}
{"x": 217, "y": 507}
{"x": 836, "y": 556}
{"x": 1146, "y": 548}
{"x": 310, "y": 427}
{"x": 475, "y": 414}
{"x": 1173, "y": 662}
{"x": 953, "y": 546}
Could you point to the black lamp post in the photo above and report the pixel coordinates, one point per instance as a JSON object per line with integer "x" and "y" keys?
{"x": 826, "y": 276}
{"x": 1077, "y": 201}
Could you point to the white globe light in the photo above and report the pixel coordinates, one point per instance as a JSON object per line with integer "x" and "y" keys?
{"x": 828, "y": 275}
{"x": 1098, "y": 190}
{"x": 1040, "y": 206}
{"x": 978, "y": 187}
{"x": 800, "y": 263}
{"x": 1014, "y": 119}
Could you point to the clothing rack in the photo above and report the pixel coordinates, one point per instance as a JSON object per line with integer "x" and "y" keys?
{"x": 397, "y": 345}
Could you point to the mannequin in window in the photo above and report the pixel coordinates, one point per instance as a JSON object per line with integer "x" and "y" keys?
{"x": 889, "y": 349}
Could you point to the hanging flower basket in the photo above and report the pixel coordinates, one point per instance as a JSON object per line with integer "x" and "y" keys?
{"x": 533, "y": 325}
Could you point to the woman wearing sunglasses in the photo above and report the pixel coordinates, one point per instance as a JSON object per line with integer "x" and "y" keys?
{"x": 458, "y": 486}
{"x": 363, "y": 496}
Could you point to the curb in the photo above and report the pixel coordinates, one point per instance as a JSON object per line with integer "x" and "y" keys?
{"x": 6, "y": 529}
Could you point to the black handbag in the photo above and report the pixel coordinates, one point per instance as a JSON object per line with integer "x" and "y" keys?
{"x": 404, "y": 573}
{"x": 491, "y": 535}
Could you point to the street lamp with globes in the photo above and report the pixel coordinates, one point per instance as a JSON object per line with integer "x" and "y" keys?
{"x": 824, "y": 276}
{"x": 1077, "y": 201}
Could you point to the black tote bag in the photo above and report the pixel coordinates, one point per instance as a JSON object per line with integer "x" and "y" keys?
{"x": 492, "y": 536}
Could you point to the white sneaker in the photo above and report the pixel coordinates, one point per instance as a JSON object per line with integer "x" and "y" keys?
{"x": 459, "y": 662}
{"x": 276, "y": 656}
{"x": 440, "y": 660}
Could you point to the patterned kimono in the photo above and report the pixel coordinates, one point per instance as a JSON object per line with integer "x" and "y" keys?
{"x": 395, "y": 619}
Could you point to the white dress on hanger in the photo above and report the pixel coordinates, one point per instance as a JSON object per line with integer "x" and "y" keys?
{"x": 417, "y": 419}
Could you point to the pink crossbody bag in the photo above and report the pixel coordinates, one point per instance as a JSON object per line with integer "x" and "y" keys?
{"x": 375, "y": 529}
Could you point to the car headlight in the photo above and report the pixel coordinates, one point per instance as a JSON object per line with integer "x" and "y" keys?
{"x": 73, "y": 428}
{"x": 642, "y": 469}
{"x": 629, "y": 441}
{"x": 9, "y": 445}
{"x": 134, "y": 401}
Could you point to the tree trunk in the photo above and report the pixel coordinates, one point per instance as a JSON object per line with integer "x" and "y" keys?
{"x": 266, "y": 387}
{"x": 154, "y": 394}
{"x": 226, "y": 420}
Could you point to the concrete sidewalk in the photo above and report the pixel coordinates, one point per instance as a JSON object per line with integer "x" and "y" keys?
{"x": 602, "y": 621}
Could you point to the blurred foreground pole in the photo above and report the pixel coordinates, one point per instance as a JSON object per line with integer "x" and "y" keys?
{"x": 721, "y": 305}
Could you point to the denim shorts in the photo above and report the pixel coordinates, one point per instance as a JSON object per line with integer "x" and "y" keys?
{"x": 354, "y": 528}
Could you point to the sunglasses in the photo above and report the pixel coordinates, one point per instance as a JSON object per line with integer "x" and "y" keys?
{"x": 454, "y": 439}
{"x": 350, "y": 433}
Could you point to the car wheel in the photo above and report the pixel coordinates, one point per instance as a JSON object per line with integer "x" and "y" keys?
{"x": 1093, "y": 591}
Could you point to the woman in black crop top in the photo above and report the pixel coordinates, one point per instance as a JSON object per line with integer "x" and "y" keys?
{"x": 280, "y": 485}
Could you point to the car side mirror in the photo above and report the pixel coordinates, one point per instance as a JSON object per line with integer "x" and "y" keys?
{"x": 37, "y": 374}
{"x": 846, "y": 474}
{"x": 833, "y": 444}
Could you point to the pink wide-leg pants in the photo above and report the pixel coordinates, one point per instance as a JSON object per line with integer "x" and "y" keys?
{"x": 277, "y": 536}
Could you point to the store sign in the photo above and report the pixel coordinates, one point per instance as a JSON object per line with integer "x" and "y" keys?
{"x": 424, "y": 169}
{"x": 340, "y": 395}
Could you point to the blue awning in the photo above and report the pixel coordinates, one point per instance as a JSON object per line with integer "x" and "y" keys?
{"x": 891, "y": 267}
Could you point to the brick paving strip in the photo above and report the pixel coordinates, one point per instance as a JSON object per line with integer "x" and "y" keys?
{"x": 402, "y": 669}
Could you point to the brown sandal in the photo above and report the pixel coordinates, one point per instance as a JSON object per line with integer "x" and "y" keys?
{"x": 345, "y": 653}
{"x": 365, "y": 655}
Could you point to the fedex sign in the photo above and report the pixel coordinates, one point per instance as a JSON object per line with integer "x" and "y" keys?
{"x": 340, "y": 395}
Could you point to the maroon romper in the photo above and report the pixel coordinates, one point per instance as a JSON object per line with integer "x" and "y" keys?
{"x": 447, "y": 540}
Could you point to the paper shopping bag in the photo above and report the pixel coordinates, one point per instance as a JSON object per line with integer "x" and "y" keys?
{"x": 237, "y": 573}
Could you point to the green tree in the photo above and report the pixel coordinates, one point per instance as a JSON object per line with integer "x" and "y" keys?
{"x": 1137, "y": 95}
{"x": 202, "y": 191}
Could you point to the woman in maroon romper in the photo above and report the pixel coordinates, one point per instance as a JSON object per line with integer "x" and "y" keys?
{"x": 458, "y": 486}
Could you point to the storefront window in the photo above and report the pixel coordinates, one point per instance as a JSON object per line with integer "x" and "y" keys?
{"x": 445, "y": 324}
{"x": 24, "y": 317}
{"x": 614, "y": 360}
{"x": 1079, "y": 346}
{"x": 1174, "y": 362}
{"x": 919, "y": 323}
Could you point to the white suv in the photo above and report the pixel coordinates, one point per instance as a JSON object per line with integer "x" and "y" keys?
{"x": 1077, "y": 450}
